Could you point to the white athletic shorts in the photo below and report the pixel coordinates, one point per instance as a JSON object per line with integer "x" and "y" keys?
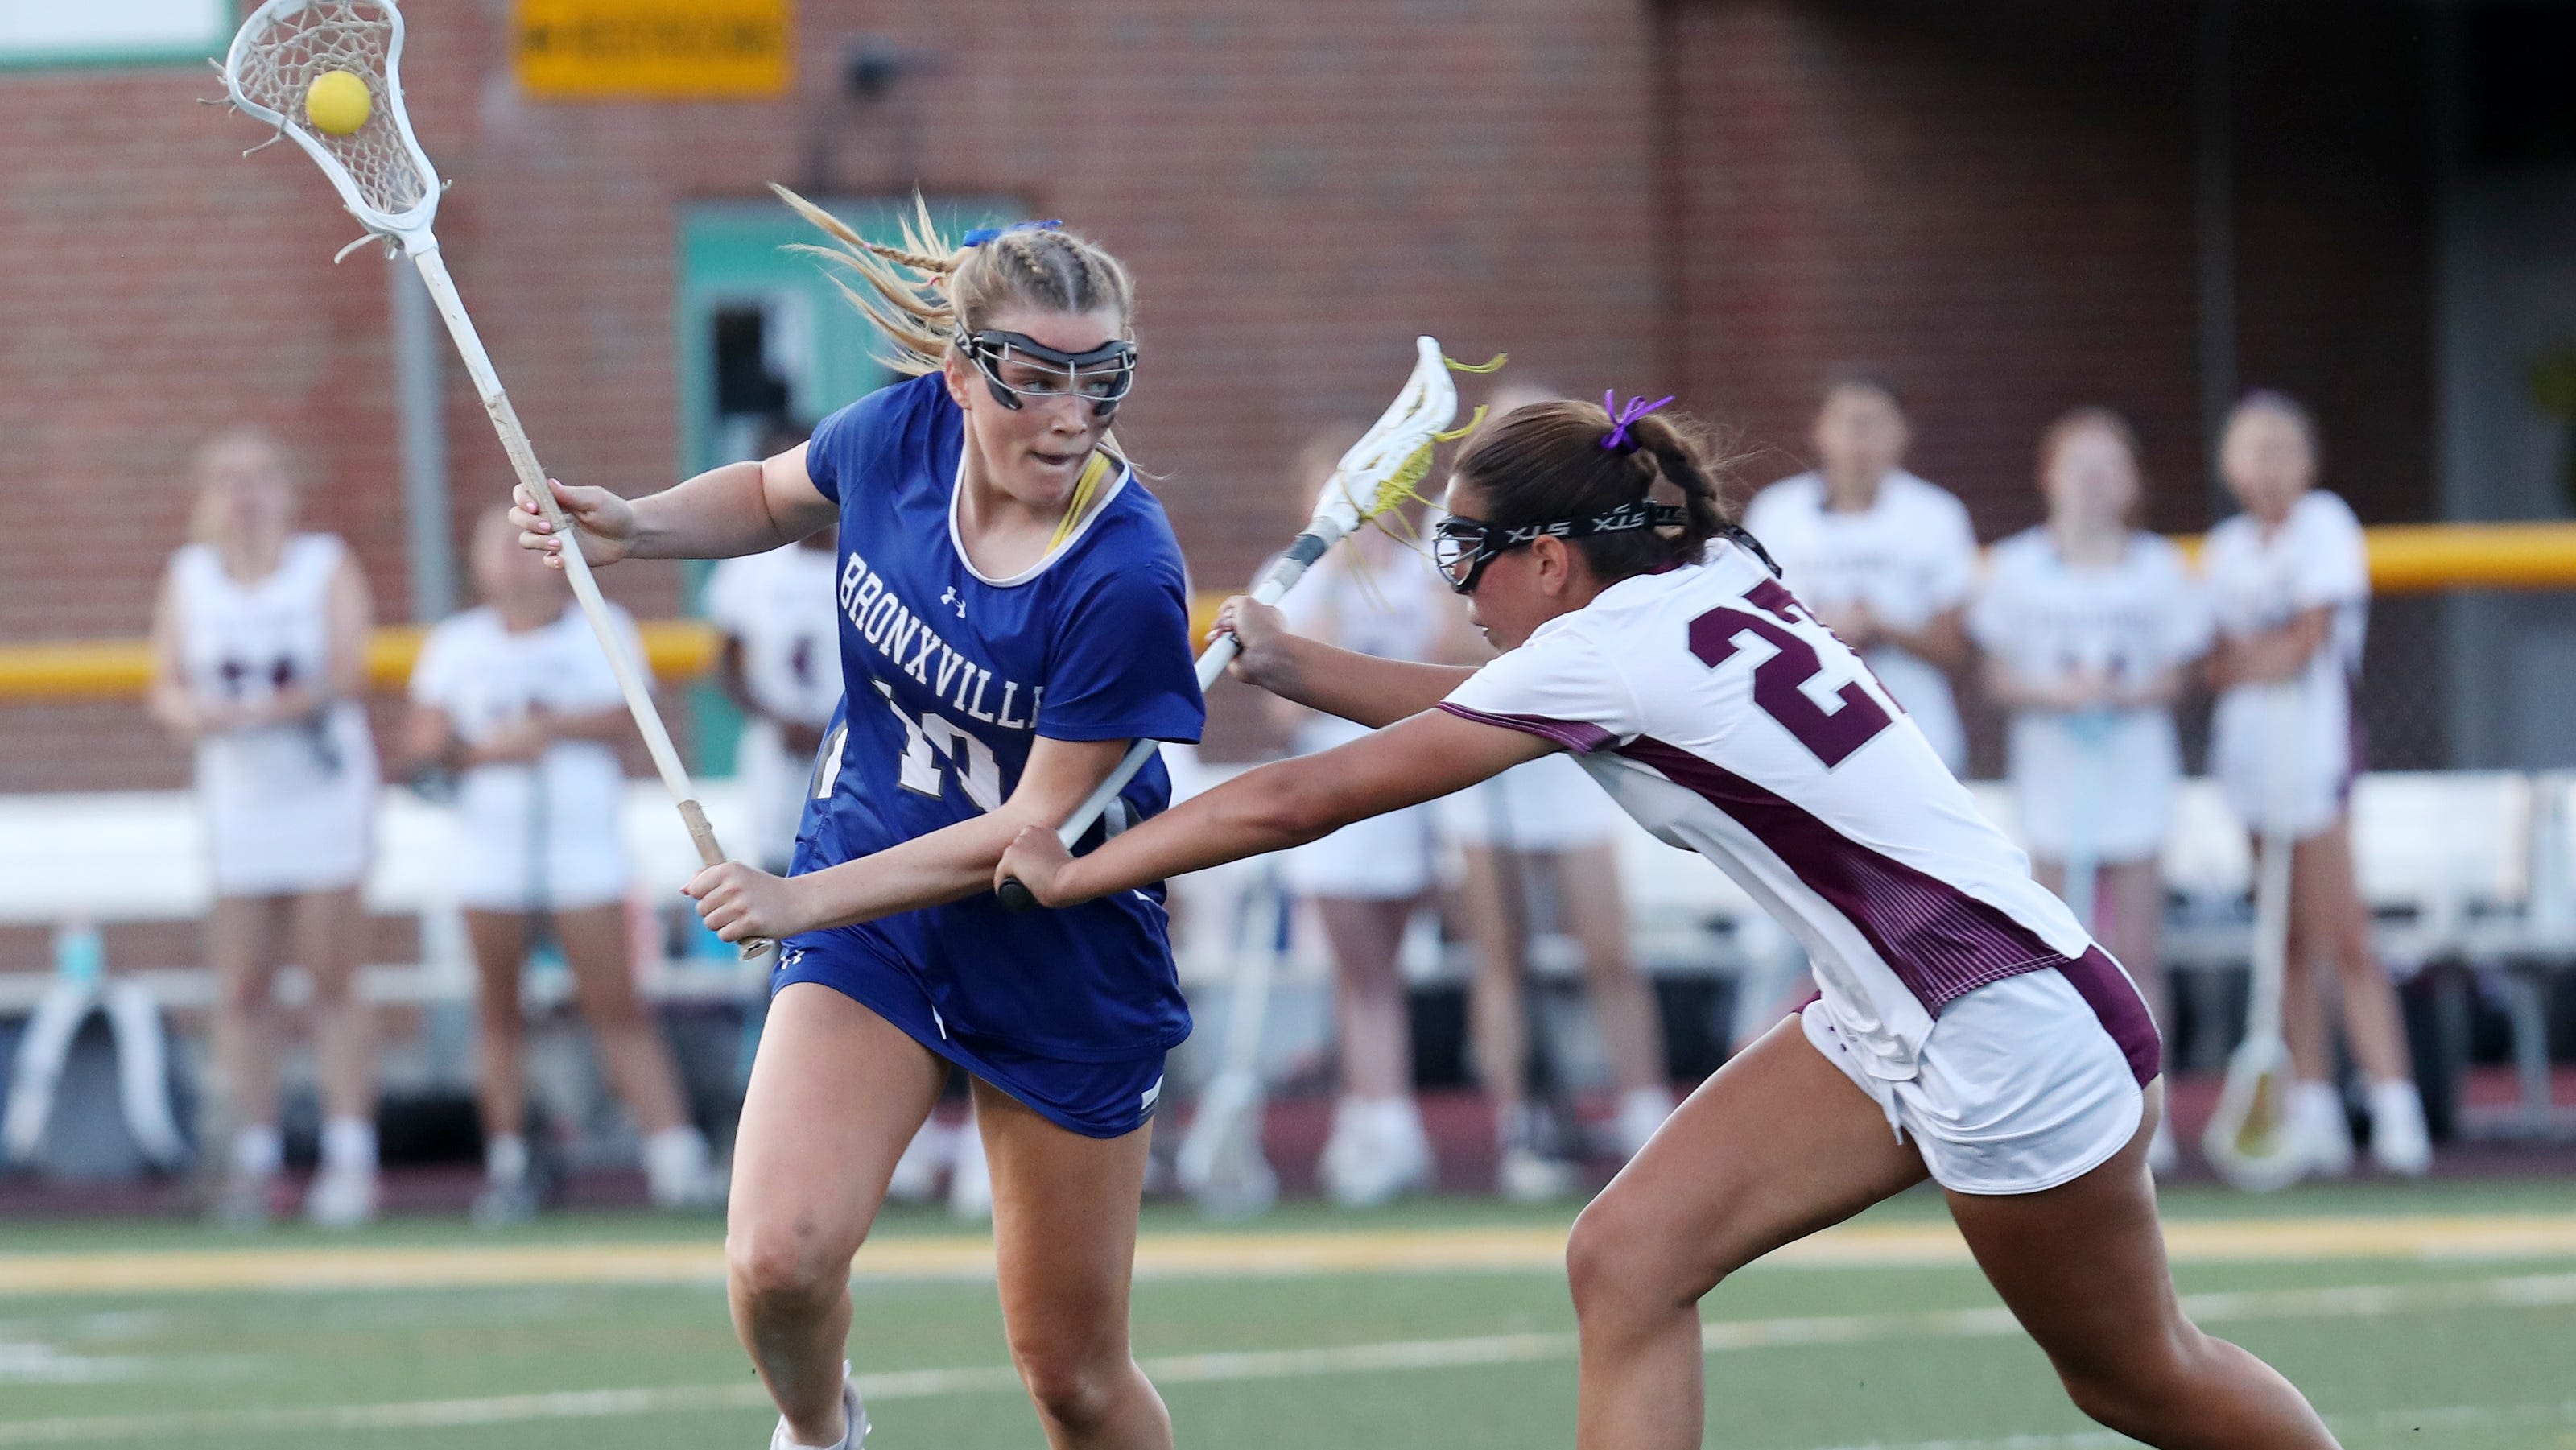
{"x": 2298, "y": 780}
{"x": 290, "y": 809}
{"x": 1383, "y": 858}
{"x": 1548, "y": 804}
{"x": 2025, "y": 1084}
{"x": 565, "y": 855}
{"x": 2113, "y": 796}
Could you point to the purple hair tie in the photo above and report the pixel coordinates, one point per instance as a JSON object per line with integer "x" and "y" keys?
{"x": 1620, "y": 417}
{"x": 980, "y": 235}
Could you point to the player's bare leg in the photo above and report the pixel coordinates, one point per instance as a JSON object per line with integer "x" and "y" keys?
{"x": 500, "y": 943}
{"x": 2083, "y": 1268}
{"x": 836, "y": 1092}
{"x": 241, "y": 947}
{"x": 1774, "y": 1147}
{"x": 1064, "y": 1232}
{"x": 1369, "y": 1013}
{"x": 330, "y": 936}
{"x": 1594, "y": 906}
{"x": 638, "y": 1061}
{"x": 2336, "y": 925}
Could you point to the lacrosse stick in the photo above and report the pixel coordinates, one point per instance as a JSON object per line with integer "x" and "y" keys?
{"x": 387, "y": 183}
{"x": 2247, "y": 1140}
{"x": 1376, "y": 475}
{"x": 1221, "y": 1164}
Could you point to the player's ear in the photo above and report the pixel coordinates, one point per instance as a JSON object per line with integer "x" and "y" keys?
{"x": 955, "y": 371}
{"x": 1555, "y": 564}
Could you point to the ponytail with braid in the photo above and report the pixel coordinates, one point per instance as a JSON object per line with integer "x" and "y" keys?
{"x": 1568, "y": 460}
{"x": 921, "y": 294}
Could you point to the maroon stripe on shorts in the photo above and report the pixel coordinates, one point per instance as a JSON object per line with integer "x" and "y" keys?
{"x": 1581, "y": 737}
{"x": 1941, "y": 942}
{"x": 2114, "y": 999}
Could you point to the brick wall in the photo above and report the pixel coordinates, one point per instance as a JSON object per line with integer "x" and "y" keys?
{"x": 1990, "y": 199}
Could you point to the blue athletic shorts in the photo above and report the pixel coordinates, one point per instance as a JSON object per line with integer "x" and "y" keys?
{"x": 1095, "y": 1099}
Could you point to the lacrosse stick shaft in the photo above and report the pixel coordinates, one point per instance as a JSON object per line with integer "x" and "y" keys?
{"x": 1311, "y": 545}
{"x": 585, "y": 589}
{"x": 2272, "y": 885}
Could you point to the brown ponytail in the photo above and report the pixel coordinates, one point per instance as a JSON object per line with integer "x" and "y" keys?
{"x": 1546, "y": 461}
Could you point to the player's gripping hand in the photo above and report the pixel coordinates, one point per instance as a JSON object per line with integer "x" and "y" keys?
{"x": 1262, "y": 630}
{"x": 604, "y": 521}
{"x": 1037, "y": 860}
{"x": 739, "y": 902}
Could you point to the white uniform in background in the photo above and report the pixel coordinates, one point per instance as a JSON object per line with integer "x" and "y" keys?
{"x": 2103, "y": 780}
{"x": 1956, "y": 992}
{"x": 1395, "y": 608}
{"x": 531, "y": 838}
{"x": 1908, "y": 557}
{"x": 289, "y": 808}
{"x": 780, "y": 606}
{"x": 2290, "y": 774}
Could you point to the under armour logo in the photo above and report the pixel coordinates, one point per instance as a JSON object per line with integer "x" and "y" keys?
{"x": 952, "y": 601}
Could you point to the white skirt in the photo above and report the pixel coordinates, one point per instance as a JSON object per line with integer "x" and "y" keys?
{"x": 558, "y": 850}
{"x": 290, "y": 808}
{"x": 2285, "y": 758}
{"x": 2023, "y": 1085}
{"x": 2113, "y": 796}
{"x": 1549, "y": 804}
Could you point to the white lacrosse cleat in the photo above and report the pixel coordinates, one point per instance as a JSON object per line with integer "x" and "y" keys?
{"x": 1525, "y": 1174}
{"x": 2163, "y": 1155}
{"x": 854, "y": 1422}
{"x": 344, "y": 1196}
{"x": 2318, "y": 1128}
{"x": 1378, "y": 1151}
{"x": 916, "y": 1173}
{"x": 2400, "y": 1143}
{"x": 970, "y": 1180}
{"x": 680, "y": 1171}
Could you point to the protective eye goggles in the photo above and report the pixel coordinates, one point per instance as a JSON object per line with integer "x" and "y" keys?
{"x": 1017, "y": 367}
{"x": 1461, "y": 548}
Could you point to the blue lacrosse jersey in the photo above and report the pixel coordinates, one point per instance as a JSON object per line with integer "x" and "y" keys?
{"x": 950, "y": 678}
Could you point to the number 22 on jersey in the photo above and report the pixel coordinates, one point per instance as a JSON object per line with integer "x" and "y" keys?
{"x": 1791, "y": 684}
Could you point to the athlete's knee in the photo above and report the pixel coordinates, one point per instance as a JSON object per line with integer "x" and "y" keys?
{"x": 2134, "y": 1386}
{"x": 1073, "y": 1386}
{"x": 1625, "y": 1259}
{"x": 785, "y": 1268}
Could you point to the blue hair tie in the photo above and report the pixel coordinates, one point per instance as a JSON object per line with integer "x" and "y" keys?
{"x": 980, "y": 235}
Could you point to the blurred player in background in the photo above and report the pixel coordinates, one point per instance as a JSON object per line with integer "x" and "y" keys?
{"x": 1884, "y": 558}
{"x": 515, "y": 699}
{"x": 2088, "y": 624}
{"x": 1968, "y": 1030}
{"x": 2289, "y": 579}
{"x": 1545, "y": 821}
{"x": 780, "y": 668}
{"x": 1368, "y": 881}
{"x": 259, "y": 644}
{"x": 1014, "y": 612}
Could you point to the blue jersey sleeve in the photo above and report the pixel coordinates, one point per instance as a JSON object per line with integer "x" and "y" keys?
{"x": 1121, "y": 667}
{"x": 848, "y": 444}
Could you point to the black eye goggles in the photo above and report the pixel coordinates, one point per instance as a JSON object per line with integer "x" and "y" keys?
{"x": 1101, "y": 376}
{"x": 1462, "y": 547}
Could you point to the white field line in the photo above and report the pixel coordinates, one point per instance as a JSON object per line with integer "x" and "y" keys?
{"x": 2525, "y": 1291}
{"x": 2441, "y": 1417}
{"x": 2412, "y": 1237}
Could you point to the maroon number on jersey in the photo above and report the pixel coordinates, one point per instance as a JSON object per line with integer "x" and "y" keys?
{"x": 1829, "y": 735}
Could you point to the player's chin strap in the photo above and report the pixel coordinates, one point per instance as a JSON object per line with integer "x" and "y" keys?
{"x": 1735, "y": 534}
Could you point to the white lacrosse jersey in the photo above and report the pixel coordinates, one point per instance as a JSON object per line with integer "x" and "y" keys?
{"x": 782, "y": 607}
{"x": 1909, "y": 556}
{"x": 2285, "y": 757}
{"x": 1725, "y": 720}
{"x": 563, "y": 817}
{"x": 2099, "y": 783}
{"x": 287, "y": 806}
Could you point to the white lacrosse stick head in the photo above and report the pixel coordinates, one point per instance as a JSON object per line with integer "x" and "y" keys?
{"x": 382, "y": 175}
{"x": 1380, "y": 470}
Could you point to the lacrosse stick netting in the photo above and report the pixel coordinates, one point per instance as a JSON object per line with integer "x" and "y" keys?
{"x": 387, "y": 183}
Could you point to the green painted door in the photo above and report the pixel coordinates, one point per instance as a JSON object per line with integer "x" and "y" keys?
{"x": 764, "y": 339}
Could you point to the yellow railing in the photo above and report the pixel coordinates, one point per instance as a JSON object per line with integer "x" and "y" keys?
{"x": 2404, "y": 559}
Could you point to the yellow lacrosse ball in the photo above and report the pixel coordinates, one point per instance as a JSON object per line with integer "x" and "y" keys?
{"x": 337, "y": 102}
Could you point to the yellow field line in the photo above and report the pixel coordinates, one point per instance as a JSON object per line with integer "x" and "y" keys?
{"x": 1217, "y": 1255}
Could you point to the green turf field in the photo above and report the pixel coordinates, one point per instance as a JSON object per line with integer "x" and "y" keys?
{"x": 2437, "y": 1317}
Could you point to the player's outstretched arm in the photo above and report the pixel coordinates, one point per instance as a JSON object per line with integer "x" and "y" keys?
{"x": 1360, "y": 688}
{"x": 950, "y": 864}
{"x": 1276, "y": 806}
{"x": 738, "y": 508}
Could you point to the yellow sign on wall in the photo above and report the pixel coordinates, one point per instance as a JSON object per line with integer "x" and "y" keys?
{"x": 676, "y": 49}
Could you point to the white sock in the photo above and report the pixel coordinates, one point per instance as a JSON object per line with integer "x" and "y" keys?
{"x": 258, "y": 1152}
{"x": 349, "y": 1144}
{"x": 675, "y": 1156}
{"x": 505, "y": 1158}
